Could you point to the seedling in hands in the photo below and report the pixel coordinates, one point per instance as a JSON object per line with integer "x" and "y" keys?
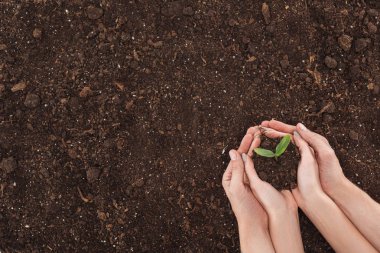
{"x": 280, "y": 148}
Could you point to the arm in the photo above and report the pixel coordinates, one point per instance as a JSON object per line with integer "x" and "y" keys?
{"x": 254, "y": 238}
{"x": 332, "y": 223}
{"x": 251, "y": 217}
{"x": 285, "y": 231}
{"x": 281, "y": 207}
{"x": 360, "y": 208}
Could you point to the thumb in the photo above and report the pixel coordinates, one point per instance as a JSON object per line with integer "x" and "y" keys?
{"x": 316, "y": 141}
{"x": 237, "y": 168}
{"x": 250, "y": 169}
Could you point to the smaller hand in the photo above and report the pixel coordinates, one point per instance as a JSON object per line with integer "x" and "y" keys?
{"x": 252, "y": 219}
{"x": 245, "y": 206}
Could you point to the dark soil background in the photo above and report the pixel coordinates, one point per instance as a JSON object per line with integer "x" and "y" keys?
{"x": 114, "y": 114}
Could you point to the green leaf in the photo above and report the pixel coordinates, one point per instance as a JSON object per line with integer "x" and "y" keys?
{"x": 281, "y": 147}
{"x": 264, "y": 152}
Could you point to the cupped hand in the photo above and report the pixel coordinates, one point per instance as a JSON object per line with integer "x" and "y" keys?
{"x": 273, "y": 201}
{"x": 281, "y": 206}
{"x": 252, "y": 219}
{"x": 330, "y": 172}
{"x": 245, "y": 206}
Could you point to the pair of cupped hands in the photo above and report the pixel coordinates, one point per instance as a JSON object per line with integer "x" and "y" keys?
{"x": 254, "y": 200}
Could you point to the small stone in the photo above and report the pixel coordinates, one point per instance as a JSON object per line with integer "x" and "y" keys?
{"x": 266, "y": 13}
{"x": 328, "y": 106}
{"x": 92, "y": 174}
{"x": 2, "y": 88}
{"x": 327, "y": 118}
{"x": 373, "y": 12}
{"x": 101, "y": 215}
{"x": 345, "y": 42}
{"x": 285, "y": 62}
{"x": 32, "y": 100}
{"x": 94, "y": 12}
{"x": 3, "y": 47}
{"x": 156, "y": 44}
{"x": 331, "y": 62}
{"x": 354, "y": 135}
{"x": 139, "y": 182}
{"x": 86, "y": 91}
{"x": 232, "y": 22}
{"x": 188, "y": 11}
{"x": 18, "y": 87}
{"x": 8, "y": 164}
{"x": 72, "y": 153}
{"x": 376, "y": 89}
{"x": 246, "y": 40}
{"x": 37, "y": 33}
{"x": 360, "y": 44}
{"x": 372, "y": 28}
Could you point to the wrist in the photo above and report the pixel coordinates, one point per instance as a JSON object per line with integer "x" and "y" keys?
{"x": 310, "y": 200}
{"x": 251, "y": 236}
{"x": 340, "y": 185}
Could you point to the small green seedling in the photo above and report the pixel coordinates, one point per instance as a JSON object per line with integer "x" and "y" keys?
{"x": 280, "y": 148}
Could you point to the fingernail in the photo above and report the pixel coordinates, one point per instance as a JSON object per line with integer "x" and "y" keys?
{"x": 232, "y": 155}
{"x": 302, "y": 127}
{"x": 244, "y": 156}
{"x": 295, "y": 133}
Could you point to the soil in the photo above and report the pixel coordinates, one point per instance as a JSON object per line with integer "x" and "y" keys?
{"x": 281, "y": 173}
{"x": 114, "y": 115}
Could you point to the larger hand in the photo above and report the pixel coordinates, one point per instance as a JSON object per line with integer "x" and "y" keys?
{"x": 280, "y": 206}
{"x": 330, "y": 171}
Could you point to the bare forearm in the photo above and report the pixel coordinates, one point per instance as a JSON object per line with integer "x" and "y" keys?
{"x": 285, "y": 233}
{"x": 255, "y": 239}
{"x": 334, "y": 225}
{"x": 360, "y": 208}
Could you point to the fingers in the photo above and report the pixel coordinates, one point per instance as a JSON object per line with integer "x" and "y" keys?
{"x": 255, "y": 144}
{"x": 256, "y": 133}
{"x": 250, "y": 170}
{"x": 272, "y": 133}
{"x": 279, "y": 126}
{"x": 253, "y": 130}
{"x": 226, "y": 180}
{"x": 237, "y": 168}
{"x": 303, "y": 146}
{"x": 319, "y": 143}
{"x": 245, "y": 143}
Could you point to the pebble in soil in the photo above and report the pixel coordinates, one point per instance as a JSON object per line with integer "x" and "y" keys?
{"x": 331, "y": 62}
{"x": 8, "y": 165}
{"x": 94, "y": 12}
{"x": 281, "y": 173}
{"x": 32, "y": 100}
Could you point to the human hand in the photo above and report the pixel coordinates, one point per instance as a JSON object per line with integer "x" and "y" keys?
{"x": 251, "y": 217}
{"x": 319, "y": 164}
{"x": 242, "y": 200}
{"x": 330, "y": 172}
{"x": 280, "y": 206}
{"x": 273, "y": 201}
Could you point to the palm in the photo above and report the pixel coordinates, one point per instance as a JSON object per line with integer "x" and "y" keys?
{"x": 244, "y": 204}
